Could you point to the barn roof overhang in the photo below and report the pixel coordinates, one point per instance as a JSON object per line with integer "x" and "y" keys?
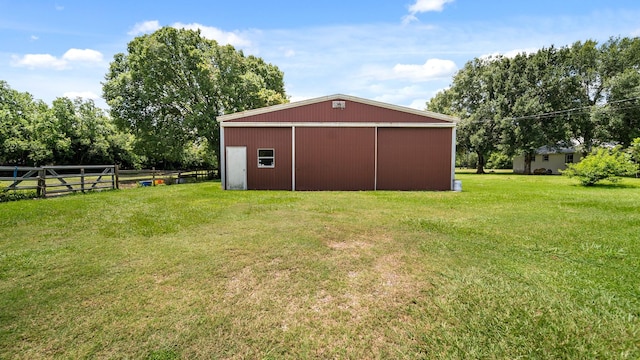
{"x": 338, "y": 124}
{"x": 450, "y": 121}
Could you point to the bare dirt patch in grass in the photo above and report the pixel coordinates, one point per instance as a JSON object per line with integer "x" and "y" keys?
{"x": 196, "y": 272}
{"x": 343, "y": 245}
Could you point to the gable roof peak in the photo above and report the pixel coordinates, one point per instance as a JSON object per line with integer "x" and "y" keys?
{"x": 334, "y": 97}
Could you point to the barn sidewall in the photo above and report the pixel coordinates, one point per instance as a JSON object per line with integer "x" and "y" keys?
{"x": 277, "y": 138}
{"x": 414, "y": 159}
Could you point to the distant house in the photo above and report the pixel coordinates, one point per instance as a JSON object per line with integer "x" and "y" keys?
{"x": 337, "y": 142}
{"x": 551, "y": 159}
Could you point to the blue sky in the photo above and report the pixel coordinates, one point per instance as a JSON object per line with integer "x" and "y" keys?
{"x": 401, "y": 52}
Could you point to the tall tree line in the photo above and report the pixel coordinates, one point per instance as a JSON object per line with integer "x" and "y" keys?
{"x": 585, "y": 94}
{"x": 67, "y": 132}
{"x": 164, "y": 96}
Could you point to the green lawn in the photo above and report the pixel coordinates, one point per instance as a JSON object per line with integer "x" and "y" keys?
{"x": 512, "y": 267}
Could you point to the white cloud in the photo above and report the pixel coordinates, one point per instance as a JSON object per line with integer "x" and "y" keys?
{"x": 422, "y": 6}
{"x": 81, "y": 94}
{"x": 48, "y": 61}
{"x": 33, "y": 61}
{"x": 509, "y": 54}
{"x": 409, "y": 19}
{"x": 419, "y": 104}
{"x": 394, "y": 94}
{"x": 302, "y": 98}
{"x": 86, "y": 55}
{"x": 144, "y": 27}
{"x": 213, "y": 33}
{"x": 430, "y": 70}
{"x": 428, "y": 5}
{"x": 209, "y": 32}
{"x": 34, "y": 38}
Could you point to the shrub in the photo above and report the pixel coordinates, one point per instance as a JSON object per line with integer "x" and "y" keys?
{"x": 601, "y": 164}
{"x": 542, "y": 171}
{"x": 499, "y": 160}
{"x": 467, "y": 160}
{"x": 6, "y": 196}
{"x": 634, "y": 151}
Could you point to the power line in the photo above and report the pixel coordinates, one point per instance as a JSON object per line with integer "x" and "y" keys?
{"x": 576, "y": 110}
{"x": 569, "y": 111}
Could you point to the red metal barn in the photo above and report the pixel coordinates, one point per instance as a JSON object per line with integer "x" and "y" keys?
{"x": 337, "y": 142}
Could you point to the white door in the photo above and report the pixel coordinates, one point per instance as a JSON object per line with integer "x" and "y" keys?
{"x": 236, "y": 168}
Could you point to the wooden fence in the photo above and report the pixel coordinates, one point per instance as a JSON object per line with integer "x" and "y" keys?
{"x": 55, "y": 180}
{"x": 155, "y": 177}
{"x": 58, "y": 180}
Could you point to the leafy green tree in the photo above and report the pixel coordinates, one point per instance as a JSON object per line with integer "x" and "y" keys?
{"x": 172, "y": 84}
{"x": 585, "y": 66}
{"x": 89, "y": 136}
{"x": 582, "y": 93}
{"x": 27, "y": 129}
{"x": 622, "y": 112}
{"x": 69, "y": 132}
{"x": 602, "y": 164}
{"x": 539, "y": 84}
{"x": 617, "y": 55}
{"x": 616, "y": 116}
{"x": 476, "y": 97}
{"x": 13, "y": 124}
{"x": 44, "y": 134}
{"x": 64, "y": 111}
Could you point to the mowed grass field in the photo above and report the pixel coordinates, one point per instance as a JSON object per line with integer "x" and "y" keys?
{"x": 512, "y": 267}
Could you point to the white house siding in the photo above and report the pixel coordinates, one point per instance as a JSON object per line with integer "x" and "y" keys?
{"x": 555, "y": 162}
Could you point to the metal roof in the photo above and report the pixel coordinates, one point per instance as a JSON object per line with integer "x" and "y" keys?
{"x": 549, "y": 150}
{"x": 280, "y": 107}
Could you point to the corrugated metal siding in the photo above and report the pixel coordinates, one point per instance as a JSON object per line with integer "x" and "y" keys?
{"x": 335, "y": 158}
{"x": 279, "y": 139}
{"x": 414, "y": 159}
{"x": 323, "y": 112}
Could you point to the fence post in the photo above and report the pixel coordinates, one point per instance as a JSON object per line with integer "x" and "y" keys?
{"x": 153, "y": 176}
{"x": 116, "y": 181}
{"x": 42, "y": 184}
{"x": 15, "y": 178}
{"x": 82, "y": 180}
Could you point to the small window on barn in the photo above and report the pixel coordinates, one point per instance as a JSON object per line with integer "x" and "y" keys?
{"x": 545, "y": 157}
{"x": 266, "y": 158}
{"x": 568, "y": 158}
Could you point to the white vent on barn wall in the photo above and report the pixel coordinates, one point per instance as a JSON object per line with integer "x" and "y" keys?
{"x": 340, "y": 104}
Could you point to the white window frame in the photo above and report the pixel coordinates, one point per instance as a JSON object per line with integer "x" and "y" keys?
{"x": 545, "y": 157}
{"x": 272, "y": 157}
{"x": 566, "y": 158}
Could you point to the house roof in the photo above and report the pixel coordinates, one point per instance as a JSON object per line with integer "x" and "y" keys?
{"x": 268, "y": 109}
{"x": 548, "y": 150}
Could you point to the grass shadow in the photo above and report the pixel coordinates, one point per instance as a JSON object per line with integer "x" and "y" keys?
{"x": 607, "y": 186}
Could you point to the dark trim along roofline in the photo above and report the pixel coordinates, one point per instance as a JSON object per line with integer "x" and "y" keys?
{"x": 338, "y": 124}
